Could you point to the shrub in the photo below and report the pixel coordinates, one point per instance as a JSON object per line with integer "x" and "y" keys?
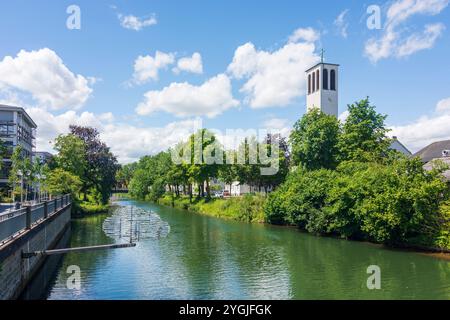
{"x": 391, "y": 204}
{"x": 301, "y": 200}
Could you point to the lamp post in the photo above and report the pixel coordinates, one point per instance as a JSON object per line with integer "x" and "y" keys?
{"x": 20, "y": 173}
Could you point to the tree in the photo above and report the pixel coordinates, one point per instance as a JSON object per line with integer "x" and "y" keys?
{"x": 101, "y": 164}
{"x": 283, "y": 159}
{"x": 364, "y": 134}
{"x": 314, "y": 141}
{"x": 201, "y": 143}
{"x": 19, "y": 173}
{"x": 60, "y": 182}
{"x": 301, "y": 200}
{"x": 248, "y": 168}
{"x": 140, "y": 183}
{"x": 150, "y": 174}
{"x": 71, "y": 154}
{"x": 39, "y": 171}
{"x": 227, "y": 172}
{"x": 125, "y": 173}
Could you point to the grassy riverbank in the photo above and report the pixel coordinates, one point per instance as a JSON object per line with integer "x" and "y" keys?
{"x": 86, "y": 208}
{"x": 249, "y": 208}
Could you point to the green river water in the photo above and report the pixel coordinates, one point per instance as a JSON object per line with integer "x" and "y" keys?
{"x": 192, "y": 256}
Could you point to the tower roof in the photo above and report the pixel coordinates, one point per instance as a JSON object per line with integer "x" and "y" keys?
{"x": 324, "y": 63}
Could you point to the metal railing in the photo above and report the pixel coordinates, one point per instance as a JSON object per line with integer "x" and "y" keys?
{"x": 13, "y": 223}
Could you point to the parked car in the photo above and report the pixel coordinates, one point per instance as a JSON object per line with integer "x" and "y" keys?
{"x": 217, "y": 194}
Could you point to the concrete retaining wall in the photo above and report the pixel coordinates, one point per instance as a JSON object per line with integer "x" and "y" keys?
{"x": 16, "y": 272}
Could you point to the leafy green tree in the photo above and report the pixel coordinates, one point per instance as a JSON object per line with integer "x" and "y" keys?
{"x": 364, "y": 132}
{"x": 125, "y": 173}
{"x": 19, "y": 174}
{"x": 314, "y": 140}
{"x": 201, "y": 143}
{"x": 37, "y": 176}
{"x": 227, "y": 172}
{"x": 150, "y": 170}
{"x": 390, "y": 204}
{"x": 140, "y": 183}
{"x": 71, "y": 155}
{"x": 301, "y": 200}
{"x": 101, "y": 164}
{"x": 282, "y": 156}
{"x": 60, "y": 182}
{"x": 248, "y": 167}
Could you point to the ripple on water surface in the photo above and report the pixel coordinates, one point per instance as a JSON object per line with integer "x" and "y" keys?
{"x": 181, "y": 255}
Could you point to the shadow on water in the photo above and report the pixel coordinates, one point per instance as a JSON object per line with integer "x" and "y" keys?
{"x": 39, "y": 287}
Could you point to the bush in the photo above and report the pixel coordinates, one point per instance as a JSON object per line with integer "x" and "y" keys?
{"x": 249, "y": 208}
{"x": 90, "y": 208}
{"x": 301, "y": 200}
{"x": 391, "y": 204}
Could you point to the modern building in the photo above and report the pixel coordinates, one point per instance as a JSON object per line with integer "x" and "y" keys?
{"x": 16, "y": 129}
{"x": 322, "y": 88}
{"x": 439, "y": 150}
{"x": 42, "y": 156}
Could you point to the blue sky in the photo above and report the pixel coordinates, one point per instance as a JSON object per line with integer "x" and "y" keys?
{"x": 89, "y": 76}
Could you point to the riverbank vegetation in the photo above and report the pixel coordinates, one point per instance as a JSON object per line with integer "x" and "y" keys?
{"x": 335, "y": 178}
{"x": 249, "y": 208}
{"x": 347, "y": 182}
{"x": 83, "y": 167}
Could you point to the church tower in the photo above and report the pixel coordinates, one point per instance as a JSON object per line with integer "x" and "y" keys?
{"x": 322, "y": 88}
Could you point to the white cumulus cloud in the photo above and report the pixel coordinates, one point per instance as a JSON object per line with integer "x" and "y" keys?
{"x": 147, "y": 67}
{"x": 395, "y": 41}
{"x": 275, "y": 79}
{"x": 421, "y": 41}
{"x": 304, "y": 34}
{"x": 342, "y": 24}
{"x": 343, "y": 116}
{"x": 278, "y": 125}
{"x": 51, "y": 125}
{"x": 192, "y": 64}
{"x": 44, "y": 76}
{"x": 184, "y": 99}
{"x": 130, "y": 143}
{"x": 127, "y": 142}
{"x": 443, "y": 105}
{"x": 426, "y": 129}
{"x": 136, "y": 23}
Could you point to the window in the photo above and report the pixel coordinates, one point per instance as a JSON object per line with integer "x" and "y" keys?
{"x": 309, "y": 84}
{"x": 333, "y": 80}
{"x": 325, "y": 79}
{"x": 313, "y": 82}
{"x": 318, "y": 80}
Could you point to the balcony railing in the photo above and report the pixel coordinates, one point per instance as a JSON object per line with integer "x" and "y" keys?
{"x": 15, "y": 222}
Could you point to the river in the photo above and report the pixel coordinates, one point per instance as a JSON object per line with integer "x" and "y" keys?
{"x": 191, "y": 256}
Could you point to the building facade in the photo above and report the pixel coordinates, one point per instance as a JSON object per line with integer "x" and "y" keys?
{"x": 42, "y": 156}
{"x": 16, "y": 129}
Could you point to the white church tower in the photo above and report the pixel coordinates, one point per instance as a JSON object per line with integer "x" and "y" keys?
{"x": 322, "y": 87}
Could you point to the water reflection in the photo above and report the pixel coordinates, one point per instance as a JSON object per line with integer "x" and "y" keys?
{"x": 207, "y": 258}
